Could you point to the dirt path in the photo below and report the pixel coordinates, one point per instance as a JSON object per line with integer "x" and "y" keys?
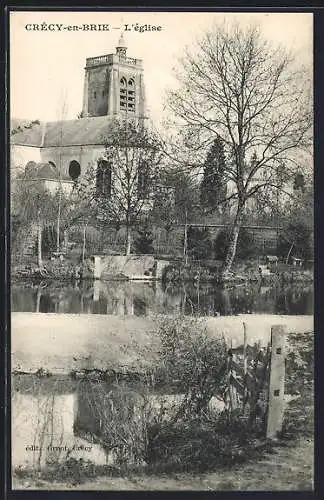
{"x": 289, "y": 467}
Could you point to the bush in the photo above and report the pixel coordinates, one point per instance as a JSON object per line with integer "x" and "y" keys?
{"x": 192, "y": 361}
{"x": 199, "y": 243}
{"x": 300, "y": 234}
{"x": 299, "y": 415}
{"x": 143, "y": 244}
{"x": 245, "y": 244}
{"x": 200, "y": 445}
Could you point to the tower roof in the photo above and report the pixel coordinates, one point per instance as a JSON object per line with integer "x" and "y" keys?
{"x": 121, "y": 42}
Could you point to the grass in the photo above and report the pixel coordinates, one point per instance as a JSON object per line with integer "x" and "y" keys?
{"x": 287, "y": 468}
{"x": 286, "y": 464}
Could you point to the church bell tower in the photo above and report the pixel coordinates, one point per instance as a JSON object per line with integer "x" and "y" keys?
{"x": 114, "y": 85}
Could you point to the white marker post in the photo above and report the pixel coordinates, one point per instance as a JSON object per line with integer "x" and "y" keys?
{"x": 277, "y": 381}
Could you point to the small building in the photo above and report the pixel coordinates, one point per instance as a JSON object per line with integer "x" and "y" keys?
{"x": 271, "y": 260}
{"x": 297, "y": 262}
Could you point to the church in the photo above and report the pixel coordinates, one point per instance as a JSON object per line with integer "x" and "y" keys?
{"x": 59, "y": 152}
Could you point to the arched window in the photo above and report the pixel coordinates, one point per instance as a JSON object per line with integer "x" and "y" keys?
{"x": 127, "y": 94}
{"x": 30, "y": 169}
{"x": 74, "y": 170}
{"x": 103, "y": 178}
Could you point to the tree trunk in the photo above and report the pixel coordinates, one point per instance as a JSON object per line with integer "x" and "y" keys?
{"x": 231, "y": 250}
{"x": 38, "y": 299}
{"x": 128, "y": 240}
{"x": 84, "y": 243}
{"x": 39, "y": 246}
{"x": 66, "y": 239}
{"x": 290, "y": 249}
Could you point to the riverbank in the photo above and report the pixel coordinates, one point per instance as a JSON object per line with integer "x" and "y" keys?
{"x": 172, "y": 272}
{"x": 286, "y": 468}
{"x": 70, "y": 342}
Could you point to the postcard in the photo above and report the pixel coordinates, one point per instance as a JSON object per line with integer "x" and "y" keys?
{"x": 162, "y": 255}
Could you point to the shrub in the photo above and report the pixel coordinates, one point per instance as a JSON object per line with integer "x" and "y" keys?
{"x": 299, "y": 234}
{"x": 299, "y": 415}
{"x": 200, "y": 445}
{"x": 199, "y": 243}
{"x": 143, "y": 244}
{"x": 245, "y": 244}
{"x": 192, "y": 361}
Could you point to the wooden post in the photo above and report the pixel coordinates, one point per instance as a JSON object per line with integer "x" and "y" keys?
{"x": 277, "y": 381}
{"x": 244, "y": 350}
{"x": 231, "y": 388}
{"x": 245, "y": 365}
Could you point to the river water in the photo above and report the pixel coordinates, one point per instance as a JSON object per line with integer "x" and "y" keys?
{"x": 142, "y": 299}
{"x": 56, "y": 417}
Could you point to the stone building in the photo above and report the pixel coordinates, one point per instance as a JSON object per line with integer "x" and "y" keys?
{"x": 60, "y": 151}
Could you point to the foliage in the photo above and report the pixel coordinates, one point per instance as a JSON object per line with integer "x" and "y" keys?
{"x": 177, "y": 200}
{"x": 143, "y": 244}
{"x": 31, "y": 201}
{"x": 245, "y": 244}
{"x": 200, "y": 445}
{"x": 213, "y": 185}
{"x": 191, "y": 358}
{"x": 299, "y": 415}
{"x": 297, "y": 235}
{"x": 295, "y": 238}
{"x": 199, "y": 244}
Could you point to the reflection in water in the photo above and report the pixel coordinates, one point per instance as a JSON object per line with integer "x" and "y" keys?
{"x": 142, "y": 299}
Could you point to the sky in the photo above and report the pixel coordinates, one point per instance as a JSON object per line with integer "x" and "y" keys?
{"x": 47, "y": 67}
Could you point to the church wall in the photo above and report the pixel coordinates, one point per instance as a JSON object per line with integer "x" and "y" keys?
{"x": 84, "y": 155}
{"x": 21, "y": 155}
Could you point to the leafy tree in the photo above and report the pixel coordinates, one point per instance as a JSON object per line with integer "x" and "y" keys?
{"x": 213, "y": 185}
{"x": 254, "y": 97}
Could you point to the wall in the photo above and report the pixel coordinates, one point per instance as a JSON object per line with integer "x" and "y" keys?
{"x": 85, "y": 155}
{"x": 98, "y": 91}
{"x": 132, "y": 266}
{"x": 21, "y": 155}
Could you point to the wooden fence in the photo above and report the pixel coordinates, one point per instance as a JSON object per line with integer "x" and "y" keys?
{"x": 256, "y": 378}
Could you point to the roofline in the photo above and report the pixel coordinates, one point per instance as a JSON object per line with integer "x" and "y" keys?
{"x": 37, "y": 179}
{"x": 57, "y": 145}
{"x": 25, "y": 145}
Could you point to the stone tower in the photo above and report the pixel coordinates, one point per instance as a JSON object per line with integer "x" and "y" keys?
{"x": 114, "y": 85}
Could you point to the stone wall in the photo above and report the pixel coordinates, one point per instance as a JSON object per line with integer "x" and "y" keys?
{"x": 130, "y": 266}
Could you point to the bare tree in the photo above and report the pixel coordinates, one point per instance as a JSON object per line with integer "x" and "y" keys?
{"x": 119, "y": 188}
{"x": 256, "y": 99}
{"x": 33, "y": 206}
